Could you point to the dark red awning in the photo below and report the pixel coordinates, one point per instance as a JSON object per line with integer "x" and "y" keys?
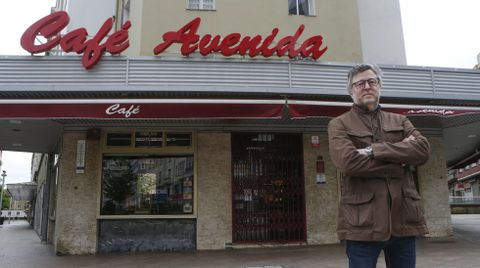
{"x": 312, "y": 109}
{"x": 200, "y": 108}
{"x": 142, "y": 109}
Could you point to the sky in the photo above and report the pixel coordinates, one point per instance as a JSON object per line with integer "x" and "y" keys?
{"x": 441, "y": 33}
{"x": 14, "y": 19}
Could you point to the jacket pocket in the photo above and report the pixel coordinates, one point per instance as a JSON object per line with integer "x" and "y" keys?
{"x": 411, "y": 210}
{"x": 393, "y": 133}
{"x": 360, "y": 138}
{"x": 358, "y": 209}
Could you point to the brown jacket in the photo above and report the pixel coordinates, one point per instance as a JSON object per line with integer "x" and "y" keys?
{"x": 379, "y": 197}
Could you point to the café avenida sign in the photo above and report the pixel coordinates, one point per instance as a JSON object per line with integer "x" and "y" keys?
{"x": 92, "y": 49}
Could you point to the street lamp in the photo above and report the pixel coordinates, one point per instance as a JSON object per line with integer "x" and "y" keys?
{"x": 4, "y": 174}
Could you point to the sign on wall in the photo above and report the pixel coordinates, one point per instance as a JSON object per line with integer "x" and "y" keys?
{"x": 80, "y": 157}
{"x": 92, "y": 49}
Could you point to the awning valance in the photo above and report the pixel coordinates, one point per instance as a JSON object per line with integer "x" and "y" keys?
{"x": 142, "y": 108}
{"x": 299, "y": 109}
{"x": 200, "y": 109}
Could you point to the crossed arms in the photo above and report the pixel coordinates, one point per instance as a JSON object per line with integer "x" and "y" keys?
{"x": 389, "y": 159}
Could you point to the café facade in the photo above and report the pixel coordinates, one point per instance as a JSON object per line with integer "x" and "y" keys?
{"x": 182, "y": 154}
{"x": 192, "y": 153}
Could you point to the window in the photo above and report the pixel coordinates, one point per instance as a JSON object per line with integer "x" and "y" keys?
{"x": 148, "y": 140}
{"x": 145, "y": 185}
{"x": 301, "y": 7}
{"x": 119, "y": 139}
{"x": 179, "y": 139}
{"x": 201, "y": 4}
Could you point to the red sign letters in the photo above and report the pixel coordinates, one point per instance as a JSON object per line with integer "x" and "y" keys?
{"x": 76, "y": 40}
{"x": 231, "y": 44}
{"x": 234, "y": 43}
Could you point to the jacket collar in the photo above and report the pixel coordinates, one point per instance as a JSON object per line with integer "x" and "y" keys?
{"x": 362, "y": 110}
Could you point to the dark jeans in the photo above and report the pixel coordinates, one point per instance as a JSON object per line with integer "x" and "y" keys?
{"x": 399, "y": 253}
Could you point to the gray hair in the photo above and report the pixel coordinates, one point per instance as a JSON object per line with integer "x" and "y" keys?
{"x": 360, "y": 68}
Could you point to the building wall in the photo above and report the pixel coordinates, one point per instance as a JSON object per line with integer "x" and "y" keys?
{"x": 76, "y": 208}
{"x": 76, "y": 224}
{"x": 434, "y": 190}
{"x": 321, "y": 200}
{"x": 135, "y": 32}
{"x": 476, "y": 187}
{"x": 214, "y": 222}
{"x": 36, "y": 157}
{"x": 336, "y": 21}
{"x": 40, "y": 200}
{"x": 98, "y": 12}
{"x": 354, "y": 31}
{"x": 214, "y": 192}
{"x": 382, "y": 32}
{"x": 52, "y": 198}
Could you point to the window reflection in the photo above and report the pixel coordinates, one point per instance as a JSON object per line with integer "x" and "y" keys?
{"x": 153, "y": 185}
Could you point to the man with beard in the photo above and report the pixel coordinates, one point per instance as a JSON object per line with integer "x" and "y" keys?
{"x": 377, "y": 152}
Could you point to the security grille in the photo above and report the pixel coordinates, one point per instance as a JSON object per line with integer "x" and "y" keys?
{"x": 267, "y": 188}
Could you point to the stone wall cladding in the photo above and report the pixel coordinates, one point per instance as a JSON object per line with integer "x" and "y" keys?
{"x": 146, "y": 235}
{"x": 321, "y": 200}
{"x": 76, "y": 224}
{"x": 434, "y": 190}
{"x": 214, "y": 221}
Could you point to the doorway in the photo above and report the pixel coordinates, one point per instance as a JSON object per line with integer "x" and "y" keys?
{"x": 268, "y": 188}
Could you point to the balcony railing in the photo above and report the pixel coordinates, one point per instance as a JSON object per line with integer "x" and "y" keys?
{"x": 464, "y": 200}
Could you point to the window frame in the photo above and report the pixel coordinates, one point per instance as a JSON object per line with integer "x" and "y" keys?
{"x": 153, "y": 157}
{"x": 139, "y": 151}
{"x": 201, "y": 6}
{"x": 311, "y": 9}
{"x": 132, "y": 148}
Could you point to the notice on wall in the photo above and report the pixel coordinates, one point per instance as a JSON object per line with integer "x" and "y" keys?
{"x": 187, "y": 208}
{"x": 315, "y": 142}
{"x": 80, "y": 161}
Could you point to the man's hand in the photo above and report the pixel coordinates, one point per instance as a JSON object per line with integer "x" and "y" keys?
{"x": 367, "y": 151}
{"x": 362, "y": 151}
{"x": 409, "y": 138}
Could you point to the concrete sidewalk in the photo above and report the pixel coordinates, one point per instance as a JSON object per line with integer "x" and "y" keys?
{"x": 21, "y": 247}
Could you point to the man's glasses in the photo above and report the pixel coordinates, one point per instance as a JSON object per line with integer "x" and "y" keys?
{"x": 361, "y": 84}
